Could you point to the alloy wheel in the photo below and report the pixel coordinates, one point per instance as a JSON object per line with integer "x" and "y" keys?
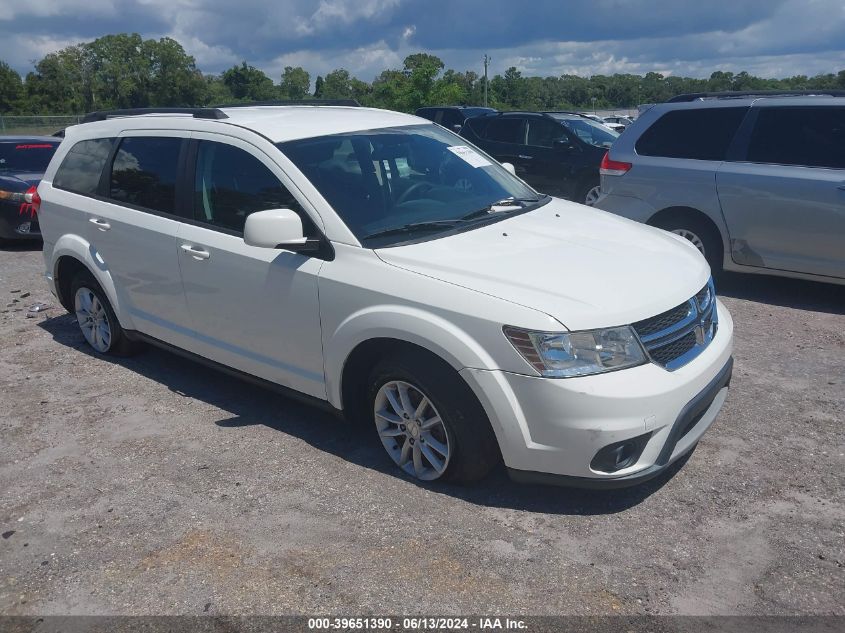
{"x": 592, "y": 196}
{"x": 692, "y": 237}
{"x": 411, "y": 430}
{"x": 93, "y": 320}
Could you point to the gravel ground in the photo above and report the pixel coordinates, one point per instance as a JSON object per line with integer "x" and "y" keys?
{"x": 153, "y": 485}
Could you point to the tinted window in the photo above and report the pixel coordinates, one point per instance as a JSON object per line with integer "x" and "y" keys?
{"x": 231, "y": 183}
{"x": 813, "y": 137}
{"x": 505, "y": 130}
{"x": 144, "y": 172}
{"x": 451, "y": 118}
{"x": 82, "y": 166}
{"x": 543, "y": 133}
{"x": 702, "y": 134}
{"x": 26, "y": 156}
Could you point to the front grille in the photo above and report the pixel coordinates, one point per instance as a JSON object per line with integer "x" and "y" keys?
{"x": 675, "y": 337}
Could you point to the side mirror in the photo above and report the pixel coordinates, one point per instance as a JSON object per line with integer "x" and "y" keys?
{"x": 509, "y": 167}
{"x": 563, "y": 144}
{"x": 275, "y": 228}
{"x": 457, "y": 127}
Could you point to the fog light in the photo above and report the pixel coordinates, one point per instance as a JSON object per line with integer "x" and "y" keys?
{"x": 24, "y": 228}
{"x": 620, "y": 455}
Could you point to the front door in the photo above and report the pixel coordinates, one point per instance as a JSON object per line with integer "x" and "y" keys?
{"x": 254, "y": 309}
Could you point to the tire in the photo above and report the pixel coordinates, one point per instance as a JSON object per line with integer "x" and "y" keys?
{"x": 589, "y": 193}
{"x": 700, "y": 232}
{"x": 90, "y": 304}
{"x": 463, "y": 429}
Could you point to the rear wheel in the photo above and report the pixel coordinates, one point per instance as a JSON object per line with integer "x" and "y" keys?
{"x": 700, "y": 232}
{"x": 96, "y": 318}
{"x": 589, "y": 193}
{"x": 429, "y": 421}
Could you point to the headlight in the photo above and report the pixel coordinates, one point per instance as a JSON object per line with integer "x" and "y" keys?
{"x": 563, "y": 355}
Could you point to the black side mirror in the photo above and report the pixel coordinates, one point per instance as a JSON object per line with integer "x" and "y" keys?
{"x": 564, "y": 145}
{"x": 457, "y": 127}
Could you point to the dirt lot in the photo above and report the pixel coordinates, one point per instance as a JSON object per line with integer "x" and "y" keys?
{"x": 154, "y": 485}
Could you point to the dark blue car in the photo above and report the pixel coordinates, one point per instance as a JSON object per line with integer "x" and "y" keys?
{"x": 23, "y": 161}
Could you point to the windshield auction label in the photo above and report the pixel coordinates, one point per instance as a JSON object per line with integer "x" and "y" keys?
{"x": 469, "y": 155}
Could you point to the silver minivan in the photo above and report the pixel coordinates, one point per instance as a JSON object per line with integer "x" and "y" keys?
{"x": 755, "y": 181}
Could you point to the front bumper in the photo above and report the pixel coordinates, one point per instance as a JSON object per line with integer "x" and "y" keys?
{"x": 551, "y": 429}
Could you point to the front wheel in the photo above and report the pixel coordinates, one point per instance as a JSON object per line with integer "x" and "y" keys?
{"x": 429, "y": 421}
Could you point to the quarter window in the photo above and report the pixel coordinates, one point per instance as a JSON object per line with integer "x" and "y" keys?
{"x": 812, "y": 137}
{"x": 231, "y": 183}
{"x": 82, "y": 167}
{"x": 702, "y": 134}
{"x": 144, "y": 172}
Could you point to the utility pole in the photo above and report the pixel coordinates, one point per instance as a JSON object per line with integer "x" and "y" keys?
{"x": 486, "y": 63}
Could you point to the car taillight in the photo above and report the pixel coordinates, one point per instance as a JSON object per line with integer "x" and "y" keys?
{"x": 610, "y": 167}
{"x": 31, "y": 203}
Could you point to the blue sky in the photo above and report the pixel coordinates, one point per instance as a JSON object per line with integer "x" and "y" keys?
{"x": 774, "y": 38}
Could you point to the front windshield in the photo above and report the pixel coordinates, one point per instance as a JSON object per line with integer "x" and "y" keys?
{"x": 589, "y": 131}
{"x": 389, "y": 178}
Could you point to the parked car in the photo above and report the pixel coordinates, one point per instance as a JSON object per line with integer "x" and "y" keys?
{"x": 558, "y": 153}
{"x": 452, "y": 117}
{"x": 376, "y": 264}
{"x": 755, "y": 182}
{"x": 618, "y": 122}
{"x": 23, "y": 160}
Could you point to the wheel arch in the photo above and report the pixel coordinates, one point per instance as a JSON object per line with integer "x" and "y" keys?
{"x": 684, "y": 211}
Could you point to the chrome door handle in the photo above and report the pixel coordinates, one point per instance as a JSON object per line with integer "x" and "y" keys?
{"x": 523, "y": 156}
{"x": 196, "y": 252}
{"x": 100, "y": 224}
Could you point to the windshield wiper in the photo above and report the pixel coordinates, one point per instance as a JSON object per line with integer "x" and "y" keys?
{"x": 415, "y": 227}
{"x": 509, "y": 204}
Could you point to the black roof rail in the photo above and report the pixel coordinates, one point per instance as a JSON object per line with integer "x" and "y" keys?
{"x": 197, "y": 113}
{"x": 294, "y": 102}
{"x": 737, "y": 94}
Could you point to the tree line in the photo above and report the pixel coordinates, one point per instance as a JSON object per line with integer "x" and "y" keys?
{"x": 127, "y": 71}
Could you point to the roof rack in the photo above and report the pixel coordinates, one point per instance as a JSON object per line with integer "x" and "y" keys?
{"x": 197, "y": 113}
{"x": 294, "y": 102}
{"x": 737, "y": 94}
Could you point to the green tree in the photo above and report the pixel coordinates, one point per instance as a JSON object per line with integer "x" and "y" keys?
{"x": 337, "y": 85}
{"x": 11, "y": 88}
{"x": 247, "y": 83}
{"x": 318, "y": 87}
{"x": 173, "y": 76}
{"x": 296, "y": 83}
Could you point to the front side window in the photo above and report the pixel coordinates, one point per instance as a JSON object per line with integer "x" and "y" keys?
{"x": 418, "y": 178}
{"x": 144, "y": 172}
{"x": 508, "y": 129}
{"x": 544, "y": 133}
{"x": 811, "y": 137}
{"x": 230, "y": 184}
{"x": 26, "y": 156}
{"x": 82, "y": 166}
{"x": 701, "y": 134}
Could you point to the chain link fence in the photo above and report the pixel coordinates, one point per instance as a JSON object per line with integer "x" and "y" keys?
{"x": 36, "y": 125}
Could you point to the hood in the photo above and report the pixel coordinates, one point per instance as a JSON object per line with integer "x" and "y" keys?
{"x": 585, "y": 267}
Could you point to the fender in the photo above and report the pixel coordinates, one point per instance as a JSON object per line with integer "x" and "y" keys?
{"x": 403, "y": 323}
{"x": 77, "y": 247}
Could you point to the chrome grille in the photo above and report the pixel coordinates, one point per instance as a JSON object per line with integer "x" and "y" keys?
{"x": 675, "y": 337}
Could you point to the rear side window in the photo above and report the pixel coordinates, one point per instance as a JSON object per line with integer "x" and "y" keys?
{"x": 811, "y": 137}
{"x": 700, "y": 134}
{"x": 543, "y": 133}
{"x": 231, "y": 183}
{"x": 505, "y": 130}
{"x": 144, "y": 172}
{"x": 82, "y": 166}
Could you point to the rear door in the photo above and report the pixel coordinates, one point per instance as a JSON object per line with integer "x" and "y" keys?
{"x": 254, "y": 309}
{"x": 784, "y": 204}
{"x": 548, "y": 168}
{"x": 133, "y": 226}
{"x": 504, "y": 138}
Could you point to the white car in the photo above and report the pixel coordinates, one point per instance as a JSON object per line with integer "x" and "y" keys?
{"x": 376, "y": 264}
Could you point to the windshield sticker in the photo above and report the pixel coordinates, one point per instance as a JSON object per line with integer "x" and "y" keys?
{"x": 469, "y": 155}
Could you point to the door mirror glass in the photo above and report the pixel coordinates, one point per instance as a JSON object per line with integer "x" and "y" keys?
{"x": 275, "y": 228}
{"x": 509, "y": 167}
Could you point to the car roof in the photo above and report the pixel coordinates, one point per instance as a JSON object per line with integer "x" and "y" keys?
{"x": 39, "y": 139}
{"x": 277, "y": 123}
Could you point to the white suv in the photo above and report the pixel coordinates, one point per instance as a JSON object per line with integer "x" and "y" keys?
{"x": 375, "y": 263}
